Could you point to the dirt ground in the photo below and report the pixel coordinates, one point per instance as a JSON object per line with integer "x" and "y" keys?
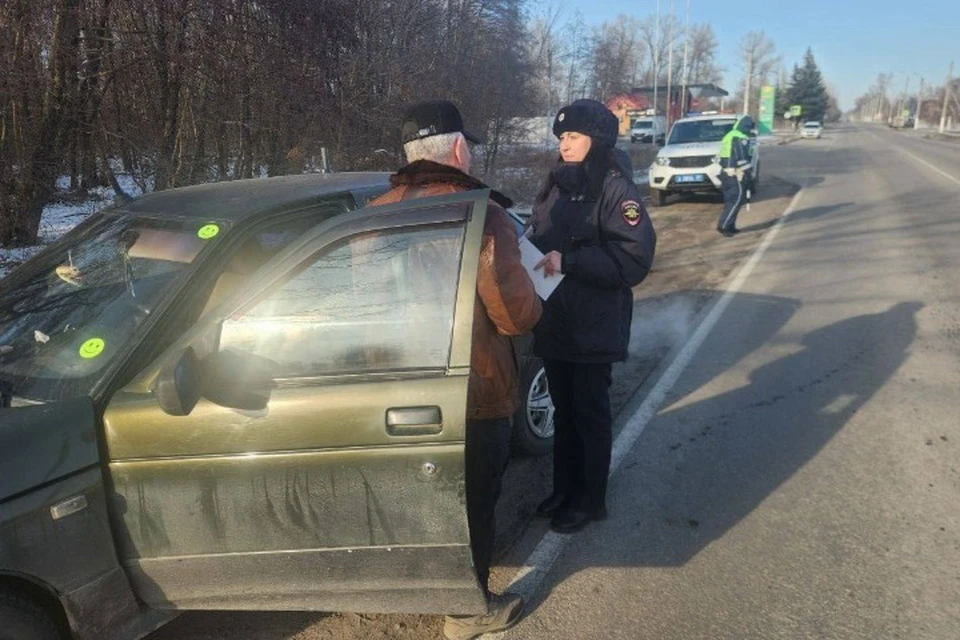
{"x": 692, "y": 262}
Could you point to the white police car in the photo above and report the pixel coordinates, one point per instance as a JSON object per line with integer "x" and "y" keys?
{"x": 690, "y": 160}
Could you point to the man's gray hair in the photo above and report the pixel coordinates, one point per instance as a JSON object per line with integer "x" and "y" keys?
{"x": 438, "y": 148}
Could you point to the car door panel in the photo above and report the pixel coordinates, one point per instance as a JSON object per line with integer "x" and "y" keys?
{"x": 345, "y": 492}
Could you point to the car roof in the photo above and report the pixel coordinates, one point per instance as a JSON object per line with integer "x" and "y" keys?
{"x": 716, "y": 116}
{"x": 238, "y": 199}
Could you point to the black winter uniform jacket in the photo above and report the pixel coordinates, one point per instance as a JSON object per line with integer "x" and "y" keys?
{"x": 607, "y": 246}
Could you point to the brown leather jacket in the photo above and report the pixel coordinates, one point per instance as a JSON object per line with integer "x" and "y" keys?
{"x": 506, "y": 303}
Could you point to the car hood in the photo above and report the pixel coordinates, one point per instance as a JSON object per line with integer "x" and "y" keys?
{"x": 690, "y": 149}
{"x": 42, "y": 443}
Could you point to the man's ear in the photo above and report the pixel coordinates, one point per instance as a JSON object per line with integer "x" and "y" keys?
{"x": 461, "y": 154}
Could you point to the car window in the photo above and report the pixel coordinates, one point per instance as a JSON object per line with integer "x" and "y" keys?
{"x": 81, "y": 303}
{"x": 643, "y": 125}
{"x": 375, "y": 302}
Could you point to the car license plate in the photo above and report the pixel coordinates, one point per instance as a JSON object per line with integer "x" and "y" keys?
{"x": 693, "y": 177}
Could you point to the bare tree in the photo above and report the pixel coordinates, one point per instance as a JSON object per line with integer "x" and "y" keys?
{"x": 576, "y": 59}
{"x": 657, "y": 43}
{"x": 617, "y": 57}
{"x": 39, "y": 150}
{"x": 702, "y": 62}
{"x": 760, "y": 59}
{"x": 546, "y": 56}
{"x": 184, "y": 91}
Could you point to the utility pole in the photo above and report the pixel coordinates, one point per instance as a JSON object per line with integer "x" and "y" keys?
{"x": 901, "y": 101}
{"x": 916, "y": 116}
{"x": 686, "y": 71}
{"x": 746, "y": 92}
{"x": 669, "y": 65}
{"x": 656, "y": 60}
{"x": 946, "y": 100}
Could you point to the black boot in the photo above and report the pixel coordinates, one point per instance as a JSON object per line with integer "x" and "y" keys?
{"x": 572, "y": 520}
{"x": 552, "y": 505}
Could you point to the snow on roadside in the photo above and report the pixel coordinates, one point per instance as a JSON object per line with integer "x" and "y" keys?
{"x": 60, "y": 217}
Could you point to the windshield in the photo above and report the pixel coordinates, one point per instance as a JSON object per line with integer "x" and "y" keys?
{"x": 700, "y": 131}
{"x": 812, "y": 125}
{"x": 643, "y": 124}
{"x": 75, "y": 307}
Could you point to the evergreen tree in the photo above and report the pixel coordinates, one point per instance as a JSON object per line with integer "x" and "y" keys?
{"x": 807, "y": 89}
{"x": 783, "y": 98}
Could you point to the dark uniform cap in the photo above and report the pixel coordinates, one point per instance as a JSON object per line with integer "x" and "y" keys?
{"x": 432, "y": 118}
{"x": 590, "y": 118}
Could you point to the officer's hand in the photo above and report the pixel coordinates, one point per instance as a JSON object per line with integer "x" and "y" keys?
{"x": 550, "y": 263}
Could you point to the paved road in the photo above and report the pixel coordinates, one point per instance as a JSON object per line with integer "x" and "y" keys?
{"x": 801, "y": 478}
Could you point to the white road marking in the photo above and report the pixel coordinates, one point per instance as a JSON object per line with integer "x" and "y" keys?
{"x": 932, "y": 167}
{"x": 531, "y": 574}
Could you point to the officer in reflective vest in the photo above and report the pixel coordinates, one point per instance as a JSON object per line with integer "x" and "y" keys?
{"x": 735, "y": 178}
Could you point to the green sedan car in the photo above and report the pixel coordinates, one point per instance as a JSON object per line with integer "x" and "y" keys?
{"x": 245, "y": 395}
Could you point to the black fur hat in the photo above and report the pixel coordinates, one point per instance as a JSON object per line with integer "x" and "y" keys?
{"x": 591, "y": 118}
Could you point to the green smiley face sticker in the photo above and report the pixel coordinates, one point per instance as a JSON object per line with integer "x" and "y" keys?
{"x": 208, "y": 231}
{"x": 92, "y": 348}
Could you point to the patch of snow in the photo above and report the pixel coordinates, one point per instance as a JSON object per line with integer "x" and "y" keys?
{"x": 60, "y": 217}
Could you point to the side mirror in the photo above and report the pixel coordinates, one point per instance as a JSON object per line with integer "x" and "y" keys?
{"x": 178, "y": 386}
{"x": 238, "y": 380}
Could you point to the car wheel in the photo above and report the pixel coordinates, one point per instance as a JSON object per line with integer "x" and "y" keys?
{"x": 756, "y": 179}
{"x": 24, "y": 619}
{"x": 659, "y": 197}
{"x": 533, "y": 420}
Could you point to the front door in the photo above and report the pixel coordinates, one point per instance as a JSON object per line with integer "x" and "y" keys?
{"x": 344, "y": 489}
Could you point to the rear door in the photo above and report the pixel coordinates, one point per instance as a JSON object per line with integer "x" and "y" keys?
{"x": 344, "y": 490}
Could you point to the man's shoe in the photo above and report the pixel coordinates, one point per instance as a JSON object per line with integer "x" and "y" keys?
{"x": 729, "y": 232}
{"x": 574, "y": 520}
{"x": 551, "y": 505}
{"x": 503, "y": 612}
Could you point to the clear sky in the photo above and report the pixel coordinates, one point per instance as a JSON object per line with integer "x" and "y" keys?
{"x": 852, "y": 40}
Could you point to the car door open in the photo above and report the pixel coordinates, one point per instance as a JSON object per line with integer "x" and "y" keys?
{"x": 301, "y": 447}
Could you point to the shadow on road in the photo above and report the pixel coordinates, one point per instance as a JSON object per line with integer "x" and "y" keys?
{"x": 705, "y": 465}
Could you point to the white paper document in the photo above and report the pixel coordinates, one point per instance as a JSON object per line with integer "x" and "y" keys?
{"x": 530, "y": 256}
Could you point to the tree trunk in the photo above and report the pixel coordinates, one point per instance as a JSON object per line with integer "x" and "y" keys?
{"x": 39, "y": 176}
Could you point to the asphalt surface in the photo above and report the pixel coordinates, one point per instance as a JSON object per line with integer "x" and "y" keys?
{"x": 801, "y": 477}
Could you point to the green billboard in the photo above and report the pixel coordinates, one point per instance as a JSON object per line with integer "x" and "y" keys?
{"x": 768, "y": 97}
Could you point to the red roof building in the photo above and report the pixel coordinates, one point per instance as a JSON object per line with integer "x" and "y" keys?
{"x": 627, "y": 106}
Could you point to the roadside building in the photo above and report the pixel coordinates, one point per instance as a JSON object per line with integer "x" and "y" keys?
{"x": 627, "y": 107}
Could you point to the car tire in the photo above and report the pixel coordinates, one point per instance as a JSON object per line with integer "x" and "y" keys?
{"x": 658, "y": 197}
{"x": 24, "y": 619}
{"x": 756, "y": 180}
{"x": 533, "y": 420}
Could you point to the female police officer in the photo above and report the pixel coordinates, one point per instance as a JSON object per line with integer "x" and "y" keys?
{"x": 589, "y": 222}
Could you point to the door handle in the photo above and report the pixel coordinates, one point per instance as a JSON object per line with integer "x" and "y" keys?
{"x": 414, "y": 421}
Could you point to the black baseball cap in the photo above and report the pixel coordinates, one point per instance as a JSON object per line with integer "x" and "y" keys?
{"x": 431, "y": 118}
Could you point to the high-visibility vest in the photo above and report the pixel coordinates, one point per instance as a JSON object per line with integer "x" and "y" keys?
{"x": 726, "y": 145}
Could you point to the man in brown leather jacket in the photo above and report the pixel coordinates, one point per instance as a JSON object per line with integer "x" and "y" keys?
{"x": 435, "y": 144}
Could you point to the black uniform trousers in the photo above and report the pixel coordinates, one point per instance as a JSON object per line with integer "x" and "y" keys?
{"x": 486, "y": 457}
{"x": 583, "y": 433}
{"x": 734, "y": 196}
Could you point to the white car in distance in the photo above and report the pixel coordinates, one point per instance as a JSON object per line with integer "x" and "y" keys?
{"x": 690, "y": 160}
{"x": 812, "y": 129}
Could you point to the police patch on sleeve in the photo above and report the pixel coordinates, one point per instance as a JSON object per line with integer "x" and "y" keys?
{"x": 631, "y": 212}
